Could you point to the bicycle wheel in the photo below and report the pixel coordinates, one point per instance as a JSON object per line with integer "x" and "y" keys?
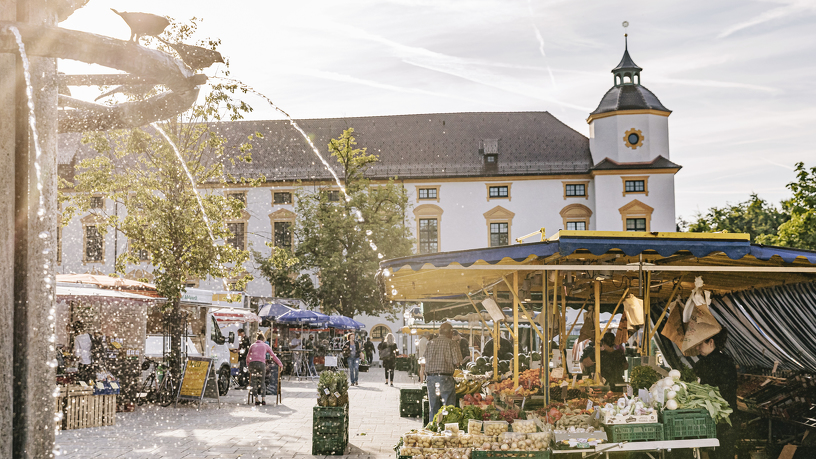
{"x": 167, "y": 392}
{"x": 147, "y": 389}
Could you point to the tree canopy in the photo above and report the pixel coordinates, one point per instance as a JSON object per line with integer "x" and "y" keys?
{"x": 755, "y": 216}
{"x": 342, "y": 237}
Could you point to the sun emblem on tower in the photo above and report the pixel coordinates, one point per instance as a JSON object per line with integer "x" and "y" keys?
{"x": 633, "y": 138}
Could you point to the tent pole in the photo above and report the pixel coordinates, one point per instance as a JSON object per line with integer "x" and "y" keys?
{"x": 598, "y": 331}
{"x": 647, "y": 306}
{"x": 564, "y": 326}
{"x": 545, "y": 342}
{"x": 516, "y": 305}
{"x": 496, "y": 344}
{"x": 620, "y": 301}
{"x": 578, "y": 317}
{"x": 523, "y": 309}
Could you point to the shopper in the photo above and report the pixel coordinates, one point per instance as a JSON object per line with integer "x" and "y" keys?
{"x": 388, "y": 356}
{"x": 351, "y": 352}
{"x": 309, "y": 345}
{"x": 295, "y": 344}
{"x": 718, "y": 369}
{"x": 368, "y": 347}
{"x": 423, "y": 344}
{"x": 243, "y": 348}
{"x": 256, "y": 361}
{"x": 460, "y": 340}
{"x": 505, "y": 349}
{"x": 442, "y": 356}
{"x": 82, "y": 349}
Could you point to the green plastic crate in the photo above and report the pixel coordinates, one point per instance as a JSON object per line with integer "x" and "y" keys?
{"x": 476, "y": 454}
{"x": 687, "y": 424}
{"x": 413, "y": 410}
{"x": 329, "y": 426}
{"x": 635, "y": 432}
{"x": 426, "y": 412}
{"x": 412, "y": 395}
{"x": 329, "y": 445}
{"x": 330, "y": 411}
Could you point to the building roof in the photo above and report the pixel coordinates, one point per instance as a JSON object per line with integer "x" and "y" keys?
{"x": 658, "y": 163}
{"x": 409, "y": 146}
{"x": 629, "y": 97}
{"x": 626, "y": 62}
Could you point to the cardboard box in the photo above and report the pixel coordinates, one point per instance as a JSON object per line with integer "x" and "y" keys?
{"x": 620, "y": 419}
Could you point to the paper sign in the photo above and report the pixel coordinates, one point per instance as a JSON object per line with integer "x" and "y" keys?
{"x": 327, "y": 391}
{"x": 557, "y": 373}
{"x": 337, "y": 394}
{"x": 518, "y": 388}
{"x": 584, "y": 377}
{"x": 564, "y": 384}
{"x": 114, "y": 385}
{"x": 574, "y": 380}
{"x": 522, "y": 403}
{"x": 100, "y": 385}
{"x": 564, "y": 392}
{"x": 629, "y": 391}
{"x": 589, "y": 405}
{"x": 83, "y": 384}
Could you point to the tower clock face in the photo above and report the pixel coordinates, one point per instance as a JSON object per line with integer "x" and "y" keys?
{"x": 633, "y": 138}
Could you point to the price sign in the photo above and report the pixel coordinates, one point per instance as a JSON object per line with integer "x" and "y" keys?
{"x": 326, "y": 391}
{"x": 574, "y": 380}
{"x": 83, "y": 384}
{"x": 114, "y": 385}
{"x": 518, "y": 389}
{"x": 564, "y": 390}
{"x": 337, "y": 394}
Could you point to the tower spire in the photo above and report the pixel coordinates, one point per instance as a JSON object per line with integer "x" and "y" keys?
{"x": 627, "y": 72}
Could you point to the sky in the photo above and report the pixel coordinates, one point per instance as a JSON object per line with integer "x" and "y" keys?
{"x": 739, "y": 76}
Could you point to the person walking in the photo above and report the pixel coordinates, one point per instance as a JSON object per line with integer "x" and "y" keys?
{"x": 256, "y": 361}
{"x": 442, "y": 356}
{"x": 423, "y": 344}
{"x": 368, "y": 347}
{"x": 460, "y": 341}
{"x": 351, "y": 352}
{"x": 309, "y": 345}
{"x": 388, "y": 356}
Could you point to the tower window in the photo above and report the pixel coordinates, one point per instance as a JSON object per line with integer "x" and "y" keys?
{"x": 635, "y": 186}
{"x": 498, "y": 191}
{"x": 635, "y": 224}
{"x": 427, "y": 193}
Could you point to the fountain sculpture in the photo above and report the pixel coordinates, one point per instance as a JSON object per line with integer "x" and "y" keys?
{"x": 33, "y": 111}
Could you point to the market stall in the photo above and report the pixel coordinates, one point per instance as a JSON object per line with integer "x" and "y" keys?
{"x": 598, "y": 271}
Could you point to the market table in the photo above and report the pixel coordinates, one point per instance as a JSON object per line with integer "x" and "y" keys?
{"x": 644, "y": 447}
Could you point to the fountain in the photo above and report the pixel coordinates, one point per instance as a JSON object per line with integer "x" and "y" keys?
{"x": 31, "y": 114}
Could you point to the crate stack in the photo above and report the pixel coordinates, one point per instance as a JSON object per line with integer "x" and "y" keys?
{"x": 411, "y": 402}
{"x": 330, "y": 427}
{"x": 687, "y": 424}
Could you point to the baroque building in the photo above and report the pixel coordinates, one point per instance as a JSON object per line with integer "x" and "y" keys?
{"x": 474, "y": 179}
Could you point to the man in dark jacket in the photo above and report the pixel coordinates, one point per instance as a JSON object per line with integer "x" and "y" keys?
{"x": 505, "y": 349}
{"x": 718, "y": 369}
{"x": 368, "y": 347}
{"x": 243, "y": 348}
{"x": 464, "y": 349}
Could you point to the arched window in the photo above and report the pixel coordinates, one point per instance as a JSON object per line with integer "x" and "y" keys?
{"x": 379, "y": 331}
{"x": 576, "y": 217}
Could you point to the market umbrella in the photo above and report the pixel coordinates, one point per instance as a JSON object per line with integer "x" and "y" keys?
{"x": 303, "y": 317}
{"x": 273, "y": 310}
{"x": 344, "y": 323}
{"x": 227, "y": 316}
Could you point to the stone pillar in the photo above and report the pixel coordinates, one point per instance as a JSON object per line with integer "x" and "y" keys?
{"x": 27, "y": 246}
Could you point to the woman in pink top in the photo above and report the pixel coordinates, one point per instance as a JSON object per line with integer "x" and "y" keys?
{"x": 256, "y": 361}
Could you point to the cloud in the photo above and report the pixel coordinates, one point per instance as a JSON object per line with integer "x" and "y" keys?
{"x": 716, "y": 84}
{"x": 791, "y": 9}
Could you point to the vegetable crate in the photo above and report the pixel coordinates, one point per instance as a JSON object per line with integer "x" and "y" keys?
{"x": 476, "y": 454}
{"x": 411, "y": 402}
{"x": 687, "y": 424}
{"x": 426, "y": 411}
{"x": 635, "y": 432}
{"x": 329, "y": 446}
{"x": 330, "y": 430}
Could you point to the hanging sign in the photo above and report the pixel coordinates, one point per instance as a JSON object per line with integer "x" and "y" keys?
{"x": 198, "y": 381}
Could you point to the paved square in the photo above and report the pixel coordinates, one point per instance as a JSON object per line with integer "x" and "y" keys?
{"x": 238, "y": 430}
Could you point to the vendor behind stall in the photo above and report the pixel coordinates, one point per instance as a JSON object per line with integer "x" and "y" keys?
{"x": 505, "y": 348}
{"x": 613, "y": 361}
{"x": 717, "y": 369}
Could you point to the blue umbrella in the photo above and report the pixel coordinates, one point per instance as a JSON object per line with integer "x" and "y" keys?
{"x": 303, "y": 317}
{"x": 273, "y": 310}
{"x": 344, "y": 323}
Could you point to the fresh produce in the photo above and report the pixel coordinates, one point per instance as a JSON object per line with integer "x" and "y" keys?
{"x": 524, "y": 426}
{"x": 477, "y": 399}
{"x": 643, "y": 377}
{"x": 468, "y": 387}
{"x": 447, "y": 414}
{"x": 695, "y": 396}
{"x": 332, "y": 388}
{"x": 495, "y": 428}
{"x": 687, "y": 374}
{"x": 474, "y": 426}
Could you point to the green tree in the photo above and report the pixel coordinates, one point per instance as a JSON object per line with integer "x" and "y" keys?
{"x": 755, "y": 216}
{"x": 145, "y": 176}
{"x": 800, "y": 230}
{"x": 343, "y": 238}
{"x": 286, "y": 274}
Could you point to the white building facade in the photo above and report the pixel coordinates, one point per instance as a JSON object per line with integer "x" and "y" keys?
{"x": 473, "y": 179}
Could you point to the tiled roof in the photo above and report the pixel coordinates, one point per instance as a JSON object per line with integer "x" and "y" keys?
{"x": 410, "y": 146}
{"x": 658, "y": 163}
{"x": 626, "y": 63}
{"x": 629, "y": 97}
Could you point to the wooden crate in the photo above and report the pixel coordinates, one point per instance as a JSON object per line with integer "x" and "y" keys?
{"x": 108, "y": 410}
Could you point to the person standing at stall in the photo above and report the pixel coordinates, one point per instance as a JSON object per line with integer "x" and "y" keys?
{"x": 442, "y": 356}
{"x": 256, "y": 361}
{"x": 388, "y": 356}
{"x": 460, "y": 341}
{"x": 82, "y": 350}
{"x": 351, "y": 352}
{"x": 423, "y": 344}
{"x": 718, "y": 369}
{"x": 309, "y": 345}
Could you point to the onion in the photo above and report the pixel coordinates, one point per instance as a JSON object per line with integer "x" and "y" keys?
{"x": 671, "y": 395}
{"x": 675, "y": 388}
{"x": 674, "y": 374}
{"x": 671, "y": 405}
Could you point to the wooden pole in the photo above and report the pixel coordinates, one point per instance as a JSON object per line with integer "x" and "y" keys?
{"x": 523, "y": 310}
{"x": 647, "y": 306}
{"x": 597, "y": 331}
{"x": 665, "y": 309}
{"x": 578, "y": 317}
{"x": 620, "y": 302}
{"x": 516, "y": 330}
{"x": 496, "y": 350}
{"x": 545, "y": 354}
{"x": 564, "y": 336}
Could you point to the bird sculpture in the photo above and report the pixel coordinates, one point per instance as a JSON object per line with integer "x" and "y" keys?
{"x": 143, "y": 24}
{"x": 195, "y": 57}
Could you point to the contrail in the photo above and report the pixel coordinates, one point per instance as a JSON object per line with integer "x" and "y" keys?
{"x": 541, "y": 44}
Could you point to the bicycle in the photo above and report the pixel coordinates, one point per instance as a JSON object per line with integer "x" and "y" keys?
{"x": 157, "y": 387}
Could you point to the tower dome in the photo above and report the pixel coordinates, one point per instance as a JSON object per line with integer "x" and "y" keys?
{"x": 627, "y": 92}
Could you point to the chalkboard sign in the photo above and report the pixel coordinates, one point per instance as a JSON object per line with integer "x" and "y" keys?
{"x": 198, "y": 381}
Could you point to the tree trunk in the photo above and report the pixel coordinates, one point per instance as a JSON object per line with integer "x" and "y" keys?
{"x": 175, "y": 322}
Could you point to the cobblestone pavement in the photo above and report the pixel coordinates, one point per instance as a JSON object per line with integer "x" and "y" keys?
{"x": 237, "y": 430}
